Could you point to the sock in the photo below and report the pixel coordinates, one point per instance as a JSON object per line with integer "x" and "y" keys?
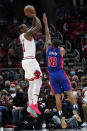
{"x": 60, "y": 113}
{"x": 75, "y": 106}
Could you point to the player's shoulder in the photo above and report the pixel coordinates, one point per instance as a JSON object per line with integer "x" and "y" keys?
{"x": 50, "y": 47}
{"x": 61, "y": 48}
{"x": 62, "y": 51}
{"x": 21, "y": 36}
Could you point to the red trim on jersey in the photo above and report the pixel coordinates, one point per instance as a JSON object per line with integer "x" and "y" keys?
{"x": 67, "y": 79}
{"x": 19, "y": 41}
{"x": 51, "y": 86}
{"x": 23, "y": 47}
{"x": 29, "y": 57}
{"x": 34, "y": 78}
{"x": 61, "y": 62}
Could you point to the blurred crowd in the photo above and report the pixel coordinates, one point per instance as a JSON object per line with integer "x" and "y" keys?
{"x": 73, "y": 25}
{"x": 14, "y": 97}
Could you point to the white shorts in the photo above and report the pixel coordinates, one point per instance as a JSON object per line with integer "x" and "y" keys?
{"x": 30, "y": 66}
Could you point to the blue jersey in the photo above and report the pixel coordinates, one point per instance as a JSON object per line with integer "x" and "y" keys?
{"x": 54, "y": 60}
{"x": 58, "y": 78}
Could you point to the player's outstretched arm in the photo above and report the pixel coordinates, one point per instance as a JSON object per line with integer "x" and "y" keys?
{"x": 36, "y": 25}
{"x": 47, "y": 33}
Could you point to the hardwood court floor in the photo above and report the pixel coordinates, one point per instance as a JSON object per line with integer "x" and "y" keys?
{"x": 11, "y": 129}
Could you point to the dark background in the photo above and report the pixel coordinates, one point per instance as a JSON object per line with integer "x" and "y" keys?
{"x": 11, "y": 9}
{"x": 14, "y": 8}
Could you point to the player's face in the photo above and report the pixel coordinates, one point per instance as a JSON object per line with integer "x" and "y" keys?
{"x": 24, "y": 29}
{"x": 55, "y": 43}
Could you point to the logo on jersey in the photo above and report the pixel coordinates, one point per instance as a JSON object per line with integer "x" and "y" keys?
{"x": 52, "y": 53}
{"x": 37, "y": 74}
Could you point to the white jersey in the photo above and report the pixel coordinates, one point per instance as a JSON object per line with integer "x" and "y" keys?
{"x": 29, "y": 63}
{"x": 29, "y": 48}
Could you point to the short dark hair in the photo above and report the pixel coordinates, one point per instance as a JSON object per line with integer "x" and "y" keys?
{"x": 55, "y": 42}
{"x": 19, "y": 28}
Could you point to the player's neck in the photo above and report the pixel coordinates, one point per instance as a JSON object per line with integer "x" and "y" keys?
{"x": 28, "y": 37}
{"x": 55, "y": 47}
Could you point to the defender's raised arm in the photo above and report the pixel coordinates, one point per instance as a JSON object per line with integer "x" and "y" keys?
{"x": 47, "y": 32}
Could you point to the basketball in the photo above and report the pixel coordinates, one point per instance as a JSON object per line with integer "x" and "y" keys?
{"x": 29, "y": 10}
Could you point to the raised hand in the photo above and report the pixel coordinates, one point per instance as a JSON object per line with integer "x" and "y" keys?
{"x": 45, "y": 19}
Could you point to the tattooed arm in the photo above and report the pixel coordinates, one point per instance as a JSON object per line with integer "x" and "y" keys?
{"x": 47, "y": 33}
{"x": 36, "y": 26}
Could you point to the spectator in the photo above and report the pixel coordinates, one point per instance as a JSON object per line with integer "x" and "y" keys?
{"x": 75, "y": 78}
{"x": 12, "y": 92}
{"x": 74, "y": 90}
{"x": 3, "y": 104}
{"x": 80, "y": 101}
{"x": 84, "y": 47}
{"x": 84, "y": 107}
{"x": 11, "y": 58}
{"x": 1, "y": 82}
{"x": 7, "y": 85}
{"x": 18, "y": 105}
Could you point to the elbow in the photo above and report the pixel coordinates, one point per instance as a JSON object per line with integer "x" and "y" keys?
{"x": 39, "y": 27}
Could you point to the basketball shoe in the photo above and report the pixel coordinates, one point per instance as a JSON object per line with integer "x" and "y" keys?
{"x": 35, "y": 108}
{"x": 31, "y": 111}
{"x": 76, "y": 113}
{"x": 63, "y": 121}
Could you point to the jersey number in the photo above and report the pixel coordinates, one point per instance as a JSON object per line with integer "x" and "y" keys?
{"x": 52, "y": 61}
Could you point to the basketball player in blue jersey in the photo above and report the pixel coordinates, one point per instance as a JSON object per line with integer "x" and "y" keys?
{"x": 58, "y": 79}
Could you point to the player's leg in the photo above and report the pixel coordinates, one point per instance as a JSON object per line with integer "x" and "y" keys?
{"x": 36, "y": 76}
{"x": 30, "y": 68}
{"x": 36, "y": 90}
{"x": 75, "y": 108}
{"x": 37, "y": 83}
{"x": 58, "y": 103}
{"x": 56, "y": 88}
{"x": 30, "y": 90}
{"x": 30, "y": 93}
{"x": 68, "y": 89}
{"x": 26, "y": 67}
{"x": 59, "y": 107}
{"x": 71, "y": 98}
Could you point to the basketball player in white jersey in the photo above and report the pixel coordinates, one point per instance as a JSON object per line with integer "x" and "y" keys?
{"x": 30, "y": 65}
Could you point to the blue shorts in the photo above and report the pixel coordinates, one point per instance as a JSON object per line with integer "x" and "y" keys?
{"x": 59, "y": 82}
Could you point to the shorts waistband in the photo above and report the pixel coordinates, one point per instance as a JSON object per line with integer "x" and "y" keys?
{"x": 29, "y": 57}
